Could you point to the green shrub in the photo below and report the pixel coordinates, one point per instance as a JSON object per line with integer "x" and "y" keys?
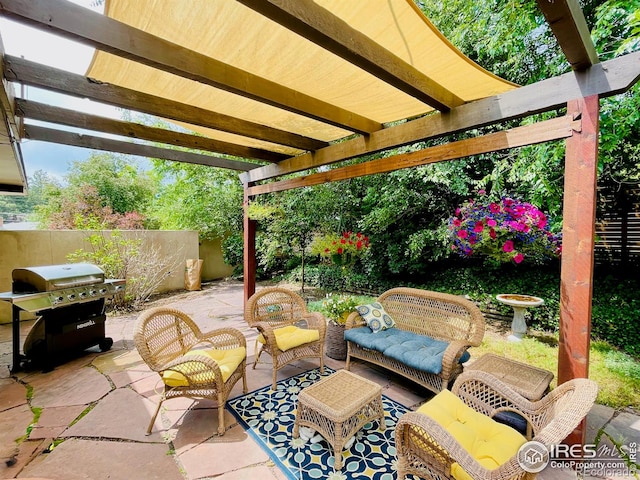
{"x": 143, "y": 268}
{"x": 615, "y": 310}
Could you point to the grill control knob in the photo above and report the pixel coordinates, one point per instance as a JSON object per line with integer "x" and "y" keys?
{"x": 83, "y": 295}
{"x": 71, "y": 297}
{"x": 103, "y": 291}
{"x": 57, "y": 300}
{"x": 92, "y": 292}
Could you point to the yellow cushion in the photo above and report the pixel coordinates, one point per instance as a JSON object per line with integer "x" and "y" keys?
{"x": 291, "y": 336}
{"x": 489, "y": 442}
{"x": 228, "y": 361}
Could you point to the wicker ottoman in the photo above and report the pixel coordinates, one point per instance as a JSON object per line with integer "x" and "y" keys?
{"x": 337, "y": 407}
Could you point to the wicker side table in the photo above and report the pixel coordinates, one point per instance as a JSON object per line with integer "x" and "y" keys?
{"x": 530, "y": 382}
{"x": 337, "y": 407}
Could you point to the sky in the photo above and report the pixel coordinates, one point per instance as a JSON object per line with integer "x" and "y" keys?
{"x": 47, "y": 49}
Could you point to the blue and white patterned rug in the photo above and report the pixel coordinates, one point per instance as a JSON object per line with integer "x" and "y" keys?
{"x": 269, "y": 415}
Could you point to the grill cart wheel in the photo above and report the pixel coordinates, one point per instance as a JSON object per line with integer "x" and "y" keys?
{"x": 105, "y": 344}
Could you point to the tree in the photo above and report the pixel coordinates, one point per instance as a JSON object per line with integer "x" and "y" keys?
{"x": 289, "y": 220}
{"x": 38, "y": 185}
{"x": 404, "y": 212}
{"x": 103, "y": 192}
{"x": 197, "y": 197}
{"x": 85, "y": 211}
{"x": 119, "y": 182}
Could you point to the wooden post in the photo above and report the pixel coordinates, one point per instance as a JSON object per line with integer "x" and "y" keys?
{"x": 578, "y": 238}
{"x": 249, "y": 250}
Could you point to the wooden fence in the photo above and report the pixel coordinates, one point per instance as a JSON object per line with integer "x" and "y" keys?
{"x": 618, "y": 231}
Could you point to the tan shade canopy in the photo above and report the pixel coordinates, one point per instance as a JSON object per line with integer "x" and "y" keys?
{"x": 236, "y": 35}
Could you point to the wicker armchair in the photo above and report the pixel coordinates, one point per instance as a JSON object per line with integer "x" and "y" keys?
{"x": 272, "y": 309}
{"x": 190, "y": 363}
{"x": 427, "y": 449}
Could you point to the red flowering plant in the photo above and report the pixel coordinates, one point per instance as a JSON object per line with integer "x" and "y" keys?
{"x": 341, "y": 249}
{"x": 505, "y": 230}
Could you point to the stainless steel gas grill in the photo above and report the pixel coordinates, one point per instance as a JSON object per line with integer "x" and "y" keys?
{"x": 70, "y": 300}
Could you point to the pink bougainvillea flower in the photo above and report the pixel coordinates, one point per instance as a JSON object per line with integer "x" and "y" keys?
{"x": 494, "y": 208}
{"x": 456, "y": 222}
{"x": 508, "y": 246}
{"x": 491, "y": 222}
{"x": 542, "y": 222}
{"x": 481, "y": 192}
{"x": 518, "y": 258}
{"x": 479, "y": 226}
{"x": 462, "y": 234}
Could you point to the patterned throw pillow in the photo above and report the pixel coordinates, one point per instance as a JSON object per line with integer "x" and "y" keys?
{"x": 376, "y": 317}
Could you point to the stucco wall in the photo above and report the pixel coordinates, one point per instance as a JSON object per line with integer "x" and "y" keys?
{"x": 27, "y": 248}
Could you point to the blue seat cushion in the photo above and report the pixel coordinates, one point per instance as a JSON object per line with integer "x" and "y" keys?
{"x": 417, "y": 351}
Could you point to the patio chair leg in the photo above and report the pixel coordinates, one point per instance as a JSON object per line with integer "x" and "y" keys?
{"x": 153, "y": 419}
{"x": 244, "y": 381}
{"x": 255, "y": 362}
{"x": 221, "y": 419}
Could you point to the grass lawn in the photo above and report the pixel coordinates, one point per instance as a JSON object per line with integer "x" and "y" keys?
{"x": 617, "y": 374}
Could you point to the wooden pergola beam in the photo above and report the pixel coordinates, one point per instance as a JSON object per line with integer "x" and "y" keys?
{"x": 570, "y": 28}
{"x": 63, "y": 116}
{"x": 578, "y": 240}
{"x": 604, "y": 79}
{"x": 45, "y": 134}
{"x": 80, "y": 24}
{"x": 555, "y": 129}
{"x": 315, "y": 23}
{"x": 31, "y": 73}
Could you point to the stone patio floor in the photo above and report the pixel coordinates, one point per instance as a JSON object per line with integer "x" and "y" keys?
{"x": 95, "y": 409}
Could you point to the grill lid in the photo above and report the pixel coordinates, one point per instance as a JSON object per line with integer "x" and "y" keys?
{"x": 55, "y": 277}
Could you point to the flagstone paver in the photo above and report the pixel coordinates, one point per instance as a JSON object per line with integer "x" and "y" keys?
{"x": 76, "y": 459}
{"x": 198, "y": 425}
{"x": 122, "y": 414}
{"x": 259, "y": 472}
{"x": 13, "y": 425}
{"x": 12, "y": 394}
{"x": 63, "y": 387}
{"x": 115, "y": 361}
{"x": 235, "y": 450}
{"x": 53, "y": 421}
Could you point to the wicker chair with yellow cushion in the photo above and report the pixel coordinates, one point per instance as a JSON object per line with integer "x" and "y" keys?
{"x": 287, "y": 330}
{"x": 454, "y": 435}
{"x": 190, "y": 363}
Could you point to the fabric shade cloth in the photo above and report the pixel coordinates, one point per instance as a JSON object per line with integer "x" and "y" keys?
{"x": 236, "y": 35}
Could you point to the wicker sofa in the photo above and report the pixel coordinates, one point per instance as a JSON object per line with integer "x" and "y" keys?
{"x": 429, "y": 341}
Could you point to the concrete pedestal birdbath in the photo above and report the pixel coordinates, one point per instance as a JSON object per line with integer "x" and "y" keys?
{"x": 519, "y": 303}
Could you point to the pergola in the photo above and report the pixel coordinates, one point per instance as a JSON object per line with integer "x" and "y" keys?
{"x": 286, "y": 86}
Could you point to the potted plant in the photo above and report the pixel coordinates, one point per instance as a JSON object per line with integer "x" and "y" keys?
{"x": 337, "y": 308}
